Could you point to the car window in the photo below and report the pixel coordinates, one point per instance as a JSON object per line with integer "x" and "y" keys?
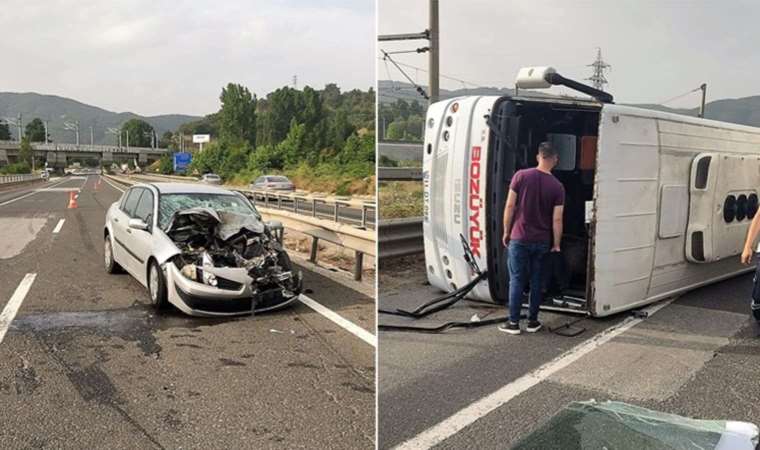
{"x": 168, "y": 204}
{"x": 144, "y": 209}
{"x": 129, "y": 204}
{"x": 259, "y": 180}
{"x": 278, "y": 179}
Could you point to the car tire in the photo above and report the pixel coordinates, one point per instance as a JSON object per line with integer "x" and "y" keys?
{"x": 111, "y": 265}
{"x": 157, "y": 286}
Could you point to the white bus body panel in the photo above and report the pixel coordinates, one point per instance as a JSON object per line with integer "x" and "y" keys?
{"x": 643, "y": 209}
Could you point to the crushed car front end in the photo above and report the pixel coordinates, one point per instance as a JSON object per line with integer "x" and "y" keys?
{"x": 227, "y": 264}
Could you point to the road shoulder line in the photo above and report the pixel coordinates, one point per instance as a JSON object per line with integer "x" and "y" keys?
{"x": 480, "y": 408}
{"x": 339, "y": 320}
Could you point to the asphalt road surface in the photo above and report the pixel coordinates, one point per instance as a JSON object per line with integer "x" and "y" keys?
{"x": 697, "y": 356}
{"x": 86, "y": 363}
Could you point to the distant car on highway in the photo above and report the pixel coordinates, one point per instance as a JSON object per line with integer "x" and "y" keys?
{"x": 273, "y": 183}
{"x": 211, "y": 178}
{"x": 204, "y": 249}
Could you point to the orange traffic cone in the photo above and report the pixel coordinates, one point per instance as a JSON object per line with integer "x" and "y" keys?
{"x": 73, "y": 199}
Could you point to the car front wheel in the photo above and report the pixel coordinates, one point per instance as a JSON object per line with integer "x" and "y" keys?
{"x": 157, "y": 286}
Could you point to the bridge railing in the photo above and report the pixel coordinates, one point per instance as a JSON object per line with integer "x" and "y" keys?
{"x": 53, "y": 146}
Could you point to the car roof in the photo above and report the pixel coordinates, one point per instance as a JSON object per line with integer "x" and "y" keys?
{"x": 187, "y": 188}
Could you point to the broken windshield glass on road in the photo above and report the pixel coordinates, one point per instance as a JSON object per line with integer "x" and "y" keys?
{"x": 620, "y": 426}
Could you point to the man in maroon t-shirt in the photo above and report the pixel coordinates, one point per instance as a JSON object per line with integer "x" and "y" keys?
{"x": 532, "y": 226}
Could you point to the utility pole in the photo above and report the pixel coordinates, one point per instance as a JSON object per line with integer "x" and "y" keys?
{"x": 433, "y": 36}
{"x": 704, "y": 94}
{"x": 598, "y": 80}
{"x": 92, "y": 136}
{"x": 16, "y": 122}
{"x": 295, "y": 81}
{"x": 115, "y": 132}
{"x": 72, "y": 126}
{"x": 46, "y": 131}
{"x": 433, "y": 59}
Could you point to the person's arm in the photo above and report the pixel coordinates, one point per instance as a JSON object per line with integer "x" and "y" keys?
{"x": 754, "y": 228}
{"x": 557, "y": 227}
{"x": 509, "y": 213}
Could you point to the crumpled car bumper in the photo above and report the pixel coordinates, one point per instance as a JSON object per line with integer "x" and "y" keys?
{"x": 199, "y": 299}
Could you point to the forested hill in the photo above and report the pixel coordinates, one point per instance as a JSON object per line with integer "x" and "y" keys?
{"x": 52, "y": 107}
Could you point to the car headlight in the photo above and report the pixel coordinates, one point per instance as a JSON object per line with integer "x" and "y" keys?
{"x": 209, "y": 278}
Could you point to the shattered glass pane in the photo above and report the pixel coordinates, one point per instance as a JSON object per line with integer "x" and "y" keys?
{"x": 170, "y": 203}
{"x": 620, "y": 426}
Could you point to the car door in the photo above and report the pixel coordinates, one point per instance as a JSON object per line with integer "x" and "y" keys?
{"x": 140, "y": 241}
{"x": 120, "y": 225}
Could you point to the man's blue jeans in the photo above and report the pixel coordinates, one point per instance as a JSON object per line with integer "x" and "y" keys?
{"x": 524, "y": 260}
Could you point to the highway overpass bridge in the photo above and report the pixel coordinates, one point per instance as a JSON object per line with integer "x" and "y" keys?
{"x": 58, "y": 155}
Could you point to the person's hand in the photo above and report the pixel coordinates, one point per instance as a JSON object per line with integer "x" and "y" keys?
{"x": 747, "y": 256}
{"x": 555, "y": 249}
{"x": 505, "y": 239}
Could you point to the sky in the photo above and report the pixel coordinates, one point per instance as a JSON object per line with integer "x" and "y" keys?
{"x": 658, "y": 49}
{"x": 160, "y": 57}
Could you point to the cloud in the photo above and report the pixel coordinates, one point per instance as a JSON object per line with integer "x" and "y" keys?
{"x": 154, "y": 57}
{"x": 657, "y": 49}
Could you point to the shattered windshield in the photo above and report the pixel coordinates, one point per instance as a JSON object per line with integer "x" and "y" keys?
{"x": 170, "y": 203}
{"x": 612, "y": 425}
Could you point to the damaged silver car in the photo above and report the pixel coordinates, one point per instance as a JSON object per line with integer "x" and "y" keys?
{"x": 204, "y": 249}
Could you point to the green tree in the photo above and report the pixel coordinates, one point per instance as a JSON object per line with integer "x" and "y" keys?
{"x": 167, "y": 140}
{"x": 165, "y": 164}
{"x": 35, "y": 130}
{"x": 237, "y": 117}
{"x": 206, "y": 125}
{"x": 139, "y": 131}
{"x": 290, "y": 148}
{"x": 5, "y": 131}
{"x": 281, "y": 106}
{"x": 396, "y": 131}
{"x": 265, "y": 159}
{"x": 25, "y": 152}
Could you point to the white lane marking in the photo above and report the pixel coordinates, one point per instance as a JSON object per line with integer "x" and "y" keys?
{"x": 478, "y": 409}
{"x": 58, "y": 227}
{"x": 111, "y": 184}
{"x": 62, "y": 189}
{"x": 349, "y": 326}
{"x": 32, "y": 193}
{"x": 10, "y": 310}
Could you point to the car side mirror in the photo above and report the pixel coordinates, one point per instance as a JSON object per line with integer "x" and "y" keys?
{"x": 138, "y": 224}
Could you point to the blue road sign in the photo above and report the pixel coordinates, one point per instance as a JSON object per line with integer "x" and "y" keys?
{"x": 181, "y": 161}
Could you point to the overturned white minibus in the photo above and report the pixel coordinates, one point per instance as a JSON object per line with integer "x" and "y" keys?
{"x": 656, "y": 203}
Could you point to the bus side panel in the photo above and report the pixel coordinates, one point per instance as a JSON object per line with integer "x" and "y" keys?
{"x": 625, "y": 210}
{"x": 681, "y": 143}
{"x": 454, "y": 178}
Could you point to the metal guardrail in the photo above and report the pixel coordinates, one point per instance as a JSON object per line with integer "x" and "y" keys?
{"x": 361, "y": 241}
{"x": 400, "y": 237}
{"x": 86, "y": 148}
{"x": 330, "y": 208}
{"x": 5, "y": 179}
{"x": 399, "y": 174}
